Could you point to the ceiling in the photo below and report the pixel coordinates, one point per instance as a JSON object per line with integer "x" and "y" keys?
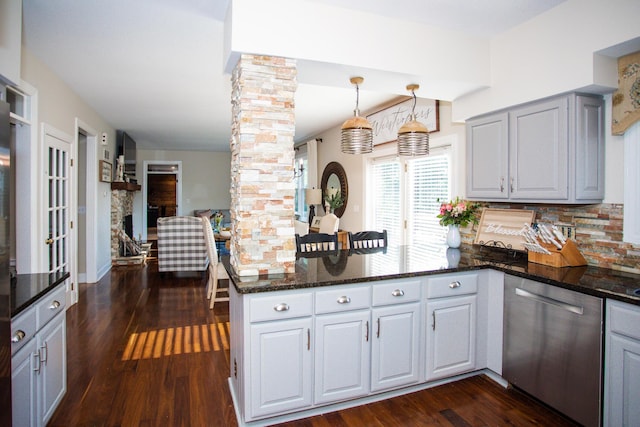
{"x": 155, "y": 67}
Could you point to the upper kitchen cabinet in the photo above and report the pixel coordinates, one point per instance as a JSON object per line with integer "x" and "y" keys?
{"x": 548, "y": 151}
{"x": 10, "y": 41}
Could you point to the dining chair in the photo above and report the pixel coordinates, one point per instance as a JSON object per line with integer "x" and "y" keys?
{"x": 216, "y": 270}
{"x": 368, "y": 239}
{"x": 317, "y": 242}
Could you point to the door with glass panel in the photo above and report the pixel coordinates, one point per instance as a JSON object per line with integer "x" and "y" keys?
{"x": 58, "y": 223}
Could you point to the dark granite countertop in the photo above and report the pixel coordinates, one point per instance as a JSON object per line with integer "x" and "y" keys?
{"x": 26, "y": 289}
{"x": 412, "y": 261}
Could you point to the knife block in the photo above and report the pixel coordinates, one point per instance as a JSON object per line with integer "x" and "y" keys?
{"x": 568, "y": 256}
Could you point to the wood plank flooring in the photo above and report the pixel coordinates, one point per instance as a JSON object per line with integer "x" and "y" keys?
{"x": 145, "y": 350}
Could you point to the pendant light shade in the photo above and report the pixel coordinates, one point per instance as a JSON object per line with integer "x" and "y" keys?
{"x": 357, "y": 132}
{"x": 413, "y": 136}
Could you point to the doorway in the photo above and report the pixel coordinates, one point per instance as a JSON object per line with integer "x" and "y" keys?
{"x": 162, "y": 193}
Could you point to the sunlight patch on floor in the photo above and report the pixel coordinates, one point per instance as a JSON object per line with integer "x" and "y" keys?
{"x": 180, "y": 340}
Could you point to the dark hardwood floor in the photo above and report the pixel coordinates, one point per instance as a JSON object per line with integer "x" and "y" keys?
{"x": 145, "y": 350}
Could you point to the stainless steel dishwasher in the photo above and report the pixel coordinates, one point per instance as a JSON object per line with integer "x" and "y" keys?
{"x": 553, "y": 346}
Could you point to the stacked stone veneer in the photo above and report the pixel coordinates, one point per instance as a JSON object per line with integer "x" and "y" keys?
{"x": 262, "y": 162}
{"x": 598, "y": 232}
{"x": 121, "y": 205}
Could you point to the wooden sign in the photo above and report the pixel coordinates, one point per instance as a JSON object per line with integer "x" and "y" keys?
{"x": 503, "y": 228}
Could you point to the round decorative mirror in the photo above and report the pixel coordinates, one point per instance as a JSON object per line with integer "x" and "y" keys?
{"x": 334, "y": 179}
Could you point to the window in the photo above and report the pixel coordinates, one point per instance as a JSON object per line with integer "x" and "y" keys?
{"x": 404, "y": 195}
{"x": 301, "y": 179}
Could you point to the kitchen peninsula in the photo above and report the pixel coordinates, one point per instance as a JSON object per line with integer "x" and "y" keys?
{"x": 349, "y": 329}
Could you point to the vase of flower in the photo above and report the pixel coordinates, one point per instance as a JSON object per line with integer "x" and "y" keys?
{"x": 456, "y": 213}
{"x": 453, "y": 236}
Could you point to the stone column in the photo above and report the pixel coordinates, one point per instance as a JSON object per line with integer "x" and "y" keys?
{"x": 262, "y": 165}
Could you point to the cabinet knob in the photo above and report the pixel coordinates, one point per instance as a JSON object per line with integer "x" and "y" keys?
{"x": 55, "y": 304}
{"x": 398, "y": 293}
{"x": 344, "y": 300}
{"x": 281, "y": 307}
{"x": 18, "y": 336}
{"x": 455, "y": 284}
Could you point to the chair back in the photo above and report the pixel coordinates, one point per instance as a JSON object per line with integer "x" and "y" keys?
{"x": 181, "y": 244}
{"x": 317, "y": 242}
{"x": 329, "y": 224}
{"x": 368, "y": 239}
{"x": 212, "y": 250}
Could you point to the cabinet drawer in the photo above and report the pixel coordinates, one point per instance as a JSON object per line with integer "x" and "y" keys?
{"x": 395, "y": 291}
{"x": 286, "y": 306}
{"x": 452, "y": 285}
{"x": 50, "y": 305}
{"x": 624, "y": 319}
{"x": 23, "y": 328}
{"x": 343, "y": 299}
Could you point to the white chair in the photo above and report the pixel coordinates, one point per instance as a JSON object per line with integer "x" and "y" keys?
{"x": 329, "y": 224}
{"x": 216, "y": 270}
{"x": 301, "y": 228}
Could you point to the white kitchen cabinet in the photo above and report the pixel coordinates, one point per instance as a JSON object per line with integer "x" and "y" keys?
{"x": 280, "y": 366}
{"x": 280, "y": 342}
{"x": 622, "y": 365}
{"x": 23, "y": 385}
{"x": 342, "y": 350}
{"x": 39, "y": 364}
{"x": 451, "y": 325}
{"x": 395, "y": 341}
{"x": 550, "y": 150}
{"x": 395, "y": 346}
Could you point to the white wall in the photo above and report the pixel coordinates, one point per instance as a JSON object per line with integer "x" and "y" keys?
{"x": 354, "y": 165}
{"x": 555, "y": 52}
{"x": 59, "y": 106}
{"x": 206, "y": 180}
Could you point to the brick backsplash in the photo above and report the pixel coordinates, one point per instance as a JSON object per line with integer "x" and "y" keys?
{"x": 598, "y": 232}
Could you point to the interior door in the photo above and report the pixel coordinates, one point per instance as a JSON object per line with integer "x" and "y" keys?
{"x": 58, "y": 220}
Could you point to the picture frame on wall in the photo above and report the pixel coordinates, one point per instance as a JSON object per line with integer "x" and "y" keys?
{"x": 315, "y": 223}
{"x": 387, "y": 121}
{"x": 105, "y": 171}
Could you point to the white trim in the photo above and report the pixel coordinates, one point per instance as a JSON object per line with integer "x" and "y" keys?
{"x": 631, "y": 224}
{"x": 145, "y": 166}
{"x": 91, "y": 200}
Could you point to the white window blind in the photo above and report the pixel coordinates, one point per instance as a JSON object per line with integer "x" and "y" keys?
{"x": 405, "y": 197}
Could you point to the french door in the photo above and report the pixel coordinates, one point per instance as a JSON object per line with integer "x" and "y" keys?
{"x": 58, "y": 223}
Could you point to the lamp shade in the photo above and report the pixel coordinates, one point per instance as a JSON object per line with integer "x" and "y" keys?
{"x": 313, "y": 196}
{"x": 413, "y": 139}
{"x": 357, "y": 136}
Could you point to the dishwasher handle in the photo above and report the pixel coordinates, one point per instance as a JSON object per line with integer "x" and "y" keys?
{"x": 541, "y": 298}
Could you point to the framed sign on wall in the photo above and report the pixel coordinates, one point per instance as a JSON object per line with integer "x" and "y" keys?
{"x": 386, "y": 122}
{"x": 105, "y": 171}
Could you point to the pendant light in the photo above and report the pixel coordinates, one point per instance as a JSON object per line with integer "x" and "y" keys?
{"x": 413, "y": 136}
{"x": 357, "y": 133}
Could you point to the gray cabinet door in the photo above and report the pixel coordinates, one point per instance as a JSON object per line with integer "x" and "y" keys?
{"x": 488, "y": 157}
{"x": 589, "y": 148}
{"x": 539, "y": 151}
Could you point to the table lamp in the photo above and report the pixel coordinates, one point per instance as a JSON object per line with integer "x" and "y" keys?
{"x": 313, "y": 197}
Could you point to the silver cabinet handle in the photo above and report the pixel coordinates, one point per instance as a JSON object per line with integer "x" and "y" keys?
{"x": 455, "y": 284}
{"x": 433, "y": 314}
{"x": 36, "y": 368}
{"x": 55, "y": 304}
{"x": 398, "y": 293}
{"x": 378, "y": 333}
{"x": 367, "y": 335}
{"x": 344, "y": 300}
{"x": 511, "y": 187}
{"x": 44, "y": 354}
{"x": 281, "y": 307}
{"x": 18, "y": 336}
{"x": 502, "y": 184}
{"x": 308, "y": 339}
